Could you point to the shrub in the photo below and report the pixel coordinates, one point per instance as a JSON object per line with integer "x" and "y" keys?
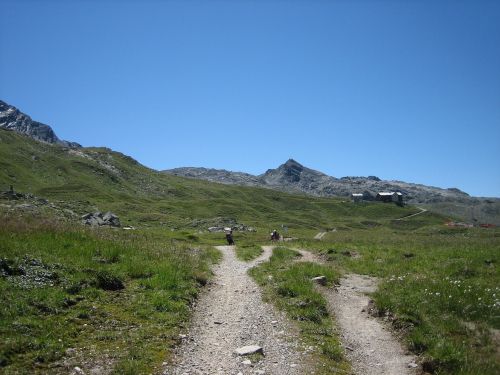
{"x": 108, "y": 281}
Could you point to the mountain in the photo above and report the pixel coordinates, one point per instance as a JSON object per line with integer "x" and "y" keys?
{"x": 92, "y": 178}
{"x": 13, "y": 119}
{"x": 293, "y": 177}
{"x": 69, "y": 182}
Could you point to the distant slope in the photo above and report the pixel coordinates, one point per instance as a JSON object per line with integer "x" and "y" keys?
{"x": 13, "y": 119}
{"x": 86, "y": 179}
{"x": 217, "y": 175}
{"x": 295, "y": 178}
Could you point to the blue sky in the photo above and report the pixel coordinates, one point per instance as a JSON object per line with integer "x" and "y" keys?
{"x": 406, "y": 90}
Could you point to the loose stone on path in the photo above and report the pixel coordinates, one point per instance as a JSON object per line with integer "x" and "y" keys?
{"x": 250, "y": 349}
{"x": 234, "y": 299}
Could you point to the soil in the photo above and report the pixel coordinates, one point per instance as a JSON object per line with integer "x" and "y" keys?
{"x": 230, "y": 315}
{"x": 370, "y": 345}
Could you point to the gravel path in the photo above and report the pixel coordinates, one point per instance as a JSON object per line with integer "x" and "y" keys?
{"x": 422, "y": 210}
{"x": 371, "y": 347}
{"x": 231, "y": 314}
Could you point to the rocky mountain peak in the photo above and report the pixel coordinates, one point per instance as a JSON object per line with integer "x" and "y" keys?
{"x": 13, "y": 119}
{"x": 293, "y": 164}
{"x": 290, "y": 171}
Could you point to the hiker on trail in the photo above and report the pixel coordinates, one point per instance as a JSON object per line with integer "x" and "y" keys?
{"x": 229, "y": 237}
{"x": 275, "y": 236}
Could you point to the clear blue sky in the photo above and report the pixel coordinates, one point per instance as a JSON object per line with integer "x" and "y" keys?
{"x": 406, "y": 90}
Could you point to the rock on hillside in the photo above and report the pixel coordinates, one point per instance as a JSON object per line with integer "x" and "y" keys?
{"x": 293, "y": 177}
{"x": 13, "y": 119}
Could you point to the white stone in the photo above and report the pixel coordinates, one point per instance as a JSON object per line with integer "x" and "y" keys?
{"x": 249, "y": 349}
{"x": 320, "y": 280}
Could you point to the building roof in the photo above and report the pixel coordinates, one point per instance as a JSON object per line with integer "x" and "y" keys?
{"x": 388, "y": 193}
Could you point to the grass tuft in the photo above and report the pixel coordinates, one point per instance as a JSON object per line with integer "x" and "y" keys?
{"x": 247, "y": 252}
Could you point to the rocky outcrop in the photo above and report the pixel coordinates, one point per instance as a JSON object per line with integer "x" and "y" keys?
{"x": 13, "y": 119}
{"x": 100, "y": 219}
{"x": 13, "y": 195}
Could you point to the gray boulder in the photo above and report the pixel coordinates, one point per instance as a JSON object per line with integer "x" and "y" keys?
{"x": 100, "y": 219}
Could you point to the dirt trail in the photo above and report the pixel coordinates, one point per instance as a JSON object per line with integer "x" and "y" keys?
{"x": 370, "y": 346}
{"x": 231, "y": 314}
{"x": 320, "y": 235}
{"x": 422, "y": 210}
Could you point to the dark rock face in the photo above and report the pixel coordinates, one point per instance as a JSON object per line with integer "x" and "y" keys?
{"x": 294, "y": 177}
{"x": 13, "y": 119}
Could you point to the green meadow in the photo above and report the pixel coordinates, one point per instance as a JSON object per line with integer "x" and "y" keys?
{"x": 115, "y": 297}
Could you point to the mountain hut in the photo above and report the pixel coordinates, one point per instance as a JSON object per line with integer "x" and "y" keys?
{"x": 390, "y": 197}
{"x": 356, "y": 197}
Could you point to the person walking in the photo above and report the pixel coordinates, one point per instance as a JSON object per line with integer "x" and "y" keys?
{"x": 229, "y": 237}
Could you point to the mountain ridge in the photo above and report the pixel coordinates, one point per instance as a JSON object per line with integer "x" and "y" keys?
{"x": 12, "y": 118}
{"x": 293, "y": 177}
{"x": 293, "y": 172}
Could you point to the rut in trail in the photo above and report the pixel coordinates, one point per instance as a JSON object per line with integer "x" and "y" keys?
{"x": 231, "y": 314}
{"x": 370, "y": 345}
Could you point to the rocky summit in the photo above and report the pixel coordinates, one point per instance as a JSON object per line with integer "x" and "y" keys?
{"x": 13, "y": 119}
